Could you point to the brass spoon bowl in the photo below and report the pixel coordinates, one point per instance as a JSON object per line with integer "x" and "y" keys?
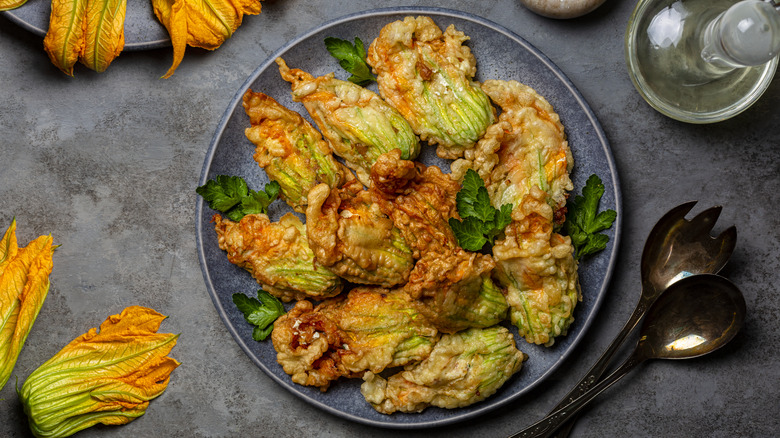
{"x": 695, "y": 316}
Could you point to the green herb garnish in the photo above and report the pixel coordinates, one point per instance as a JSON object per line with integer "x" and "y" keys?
{"x": 584, "y": 222}
{"x": 481, "y": 223}
{"x": 352, "y": 58}
{"x": 260, "y": 312}
{"x": 231, "y": 196}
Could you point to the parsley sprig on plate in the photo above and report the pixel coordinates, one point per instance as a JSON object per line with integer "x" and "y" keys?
{"x": 584, "y": 222}
{"x": 352, "y": 58}
{"x": 260, "y": 312}
{"x": 231, "y": 196}
{"x": 481, "y": 223}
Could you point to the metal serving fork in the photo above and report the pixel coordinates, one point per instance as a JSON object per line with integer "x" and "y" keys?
{"x": 675, "y": 248}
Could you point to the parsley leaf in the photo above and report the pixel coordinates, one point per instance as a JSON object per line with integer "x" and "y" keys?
{"x": 351, "y": 58}
{"x": 260, "y": 312}
{"x": 481, "y": 223}
{"x": 469, "y": 233}
{"x": 584, "y": 222}
{"x": 224, "y": 192}
{"x": 231, "y": 196}
{"x": 502, "y": 219}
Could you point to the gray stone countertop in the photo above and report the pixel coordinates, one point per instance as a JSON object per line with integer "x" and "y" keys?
{"x": 107, "y": 163}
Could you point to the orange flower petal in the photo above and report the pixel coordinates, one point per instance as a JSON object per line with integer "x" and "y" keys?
{"x": 104, "y": 376}
{"x": 24, "y": 284}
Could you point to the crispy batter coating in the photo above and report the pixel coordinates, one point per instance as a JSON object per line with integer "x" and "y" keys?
{"x": 370, "y": 329}
{"x": 290, "y": 150}
{"x": 309, "y": 346}
{"x": 426, "y": 74}
{"x": 431, "y": 306}
{"x": 358, "y": 124}
{"x": 525, "y": 160}
{"x": 537, "y": 267}
{"x": 455, "y": 291}
{"x": 278, "y": 256}
{"x": 419, "y": 199}
{"x": 451, "y": 286}
{"x": 527, "y": 147}
{"x": 350, "y": 235}
{"x": 463, "y": 368}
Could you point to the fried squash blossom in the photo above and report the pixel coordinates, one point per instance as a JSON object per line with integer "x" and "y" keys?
{"x": 357, "y": 123}
{"x": 426, "y": 74}
{"x": 383, "y": 291}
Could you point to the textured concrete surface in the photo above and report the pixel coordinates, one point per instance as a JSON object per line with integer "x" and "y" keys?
{"x": 108, "y": 163}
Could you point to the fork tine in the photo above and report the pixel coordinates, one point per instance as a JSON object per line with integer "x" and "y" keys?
{"x": 725, "y": 242}
{"x": 705, "y": 221}
{"x": 672, "y": 217}
{"x": 680, "y": 211}
{"x": 728, "y": 239}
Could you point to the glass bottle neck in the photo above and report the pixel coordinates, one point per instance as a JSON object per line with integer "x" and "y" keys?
{"x": 745, "y": 35}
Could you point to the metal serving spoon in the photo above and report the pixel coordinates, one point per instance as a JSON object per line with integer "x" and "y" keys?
{"x": 675, "y": 248}
{"x": 693, "y": 317}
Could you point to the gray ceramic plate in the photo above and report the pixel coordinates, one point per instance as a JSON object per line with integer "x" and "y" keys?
{"x": 500, "y": 54}
{"x": 142, "y": 30}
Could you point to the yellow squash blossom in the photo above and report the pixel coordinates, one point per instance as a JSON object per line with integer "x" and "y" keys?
{"x": 7, "y": 5}
{"x": 107, "y": 376}
{"x": 201, "y": 23}
{"x": 90, "y": 31}
{"x": 24, "y": 283}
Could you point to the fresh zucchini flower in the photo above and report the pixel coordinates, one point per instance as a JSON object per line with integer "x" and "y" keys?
{"x": 463, "y": 368}
{"x": 201, "y": 24}
{"x": 105, "y": 377}
{"x": 7, "y": 5}
{"x": 359, "y": 125}
{"x": 24, "y": 284}
{"x": 278, "y": 256}
{"x": 290, "y": 150}
{"x": 350, "y": 235}
{"x": 426, "y": 74}
{"x": 537, "y": 267}
{"x": 92, "y": 32}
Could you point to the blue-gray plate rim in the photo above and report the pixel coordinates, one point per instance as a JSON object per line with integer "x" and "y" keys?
{"x": 501, "y": 54}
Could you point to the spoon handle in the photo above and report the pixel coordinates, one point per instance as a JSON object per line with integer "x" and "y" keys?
{"x": 597, "y": 370}
{"x": 547, "y": 426}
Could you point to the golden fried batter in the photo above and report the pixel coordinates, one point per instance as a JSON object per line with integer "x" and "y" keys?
{"x": 309, "y": 346}
{"x": 278, "y": 256}
{"x": 290, "y": 150}
{"x": 455, "y": 292}
{"x": 527, "y": 147}
{"x": 451, "y": 286}
{"x": 419, "y": 199}
{"x": 358, "y": 124}
{"x": 426, "y": 74}
{"x": 463, "y": 368}
{"x": 537, "y": 267}
{"x": 368, "y": 330}
{"x": 350, "y": 235}
{"x": 440, "y": 319}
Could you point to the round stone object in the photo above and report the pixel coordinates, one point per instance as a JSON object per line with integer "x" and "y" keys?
{"x": 561, "y": 9}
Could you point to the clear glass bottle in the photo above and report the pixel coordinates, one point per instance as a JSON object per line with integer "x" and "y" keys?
{"x": 702, "y": 61}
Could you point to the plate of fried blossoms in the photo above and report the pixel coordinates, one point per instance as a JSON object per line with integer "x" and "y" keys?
{"x": 141, "y": 28}
{"x": 419, "y": 247}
